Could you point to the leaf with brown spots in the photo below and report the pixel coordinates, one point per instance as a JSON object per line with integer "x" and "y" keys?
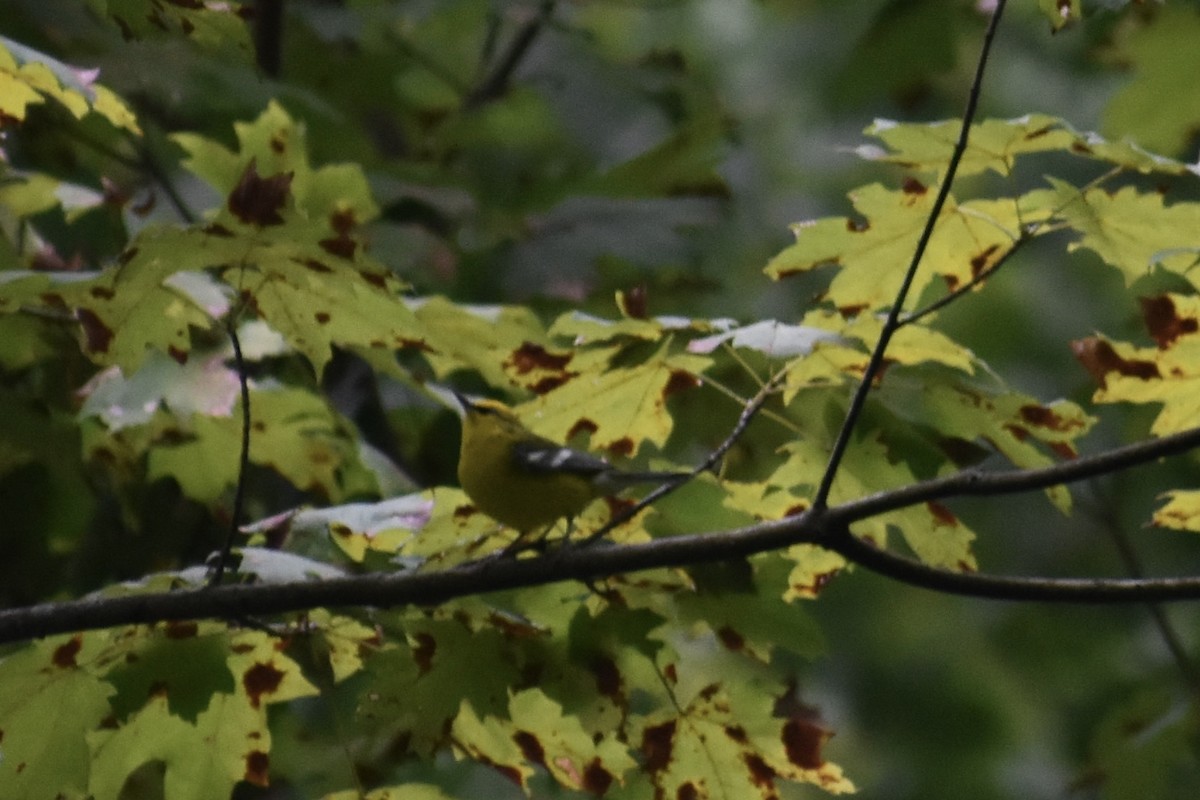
{"x": 969, "y": 238}
{"x": 728, "y": 743}
{"x": 539, "y": 733}
{"x": 258, "y": 200}
{"x": 623, "y": 407}
{"x": 1167, "y": 374}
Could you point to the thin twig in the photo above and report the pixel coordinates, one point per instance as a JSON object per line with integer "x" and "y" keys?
{"x": 821, "y": 498}
{"x": 1029, "y": 233}
{"x": 978, "y": 280}
{"x": 748, "y": 411}
{"x": 1166, "y": 631}
{"x": 496, "y": 83}
{"x": 239, "y": 495}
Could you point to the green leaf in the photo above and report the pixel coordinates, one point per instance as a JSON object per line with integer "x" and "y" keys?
{"x": 1166, "y": 374}
{"x": 1160, "y": 55}
{"x": 28, "y": 76}
{"x": 873, "y": 252}
{"x": 1130, "y": 230}
{"x": 334, "y": 197}
{"x": 216, "y": 25}
{"x": 48, "y": 702}
{"x": 621, "y": 408}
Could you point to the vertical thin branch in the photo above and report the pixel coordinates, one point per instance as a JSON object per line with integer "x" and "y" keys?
{"x": 1106, "y": 519}
{"x": 239, "y": 496}
{"x": 892, "y": 323}
{"x": 268, "y": 36}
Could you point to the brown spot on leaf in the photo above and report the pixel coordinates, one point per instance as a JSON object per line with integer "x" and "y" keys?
{"x": 596, "y": 779}
{"x": 257, "y": 764}
{"x": 731, "y": 638}
{"x": 941, "y": 514}
{"x": 340, "y": 246}
{"x": 1019, "y": 433}
{"x": 102, "y": 293}
{"x": 857, "y": 225}
{"x": 423, "y": 651}
{"x": 218, "y": 230}
{"x": 343, "y": 221}
{"x": 1063, "y": 450}
{"x": 581, "y": 426}
{"x": 737, "y": 733}
{"x": 64, "y": 654}
{"x": 512, "y": 773}
{"x": 658, "y": 745}
{"x": 760, "y": 772}
{"x": 1099, "y": 358}
{"x": 1040, "y": 132}
{"x": 180, "y": 355}
{"x": 687, "y": 791}
{"x": 621, "y": 448}
{"x": 1163, "y": 321}
{"x": 549, "y": 384}
{"x": 1043, "y": 417}
{"x": 819, "y": 582}
{"x": 530, "y": 356}
{"x": 617, "y": 505}
{"x": 914, "y": 186}
{"x": 278, "y": 143}
{"x": 257, "y": 200}
{"x": 980, "y": 261}
{"x": 315, "y": 265}
{"x": 802, "y": 740}
{"x": 260, "y": 679}
{"x": 181, "y": 630}
{"x": 679, "y": 381}
{"x": 322, "y": 317}
{"x": 608, "y": 677}
{"x": 634, "y": 302}
{"x": 96, "y": 334}
{"x": 531, "y": 748}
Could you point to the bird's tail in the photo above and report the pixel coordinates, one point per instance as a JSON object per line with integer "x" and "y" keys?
{"x": 619, "y": 479}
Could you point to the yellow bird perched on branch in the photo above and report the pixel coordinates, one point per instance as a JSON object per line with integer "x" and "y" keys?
{"x": 526, "y": 481}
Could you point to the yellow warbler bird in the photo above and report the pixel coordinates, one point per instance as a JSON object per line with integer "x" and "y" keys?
{"x": 526, "y": 481}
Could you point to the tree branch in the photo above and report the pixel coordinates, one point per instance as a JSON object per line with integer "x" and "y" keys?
{"x": 827, "y": 528}
{"x": 496, "y": 82}
{"x": 892, "y": 323}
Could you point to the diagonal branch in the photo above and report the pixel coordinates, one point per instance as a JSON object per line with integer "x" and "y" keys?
{"x": 748, "y": 413}
{"x": 892, "y": 323}
{"x": 497, "y": 81}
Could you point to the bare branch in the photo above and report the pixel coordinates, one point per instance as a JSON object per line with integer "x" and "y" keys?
{"x": 239, "y": 496}
{"x": 892, "y": 323}
{"x": 825, "y": 527}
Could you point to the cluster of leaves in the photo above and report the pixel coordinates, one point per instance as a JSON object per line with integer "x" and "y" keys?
{"x": 121, "y": 399}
